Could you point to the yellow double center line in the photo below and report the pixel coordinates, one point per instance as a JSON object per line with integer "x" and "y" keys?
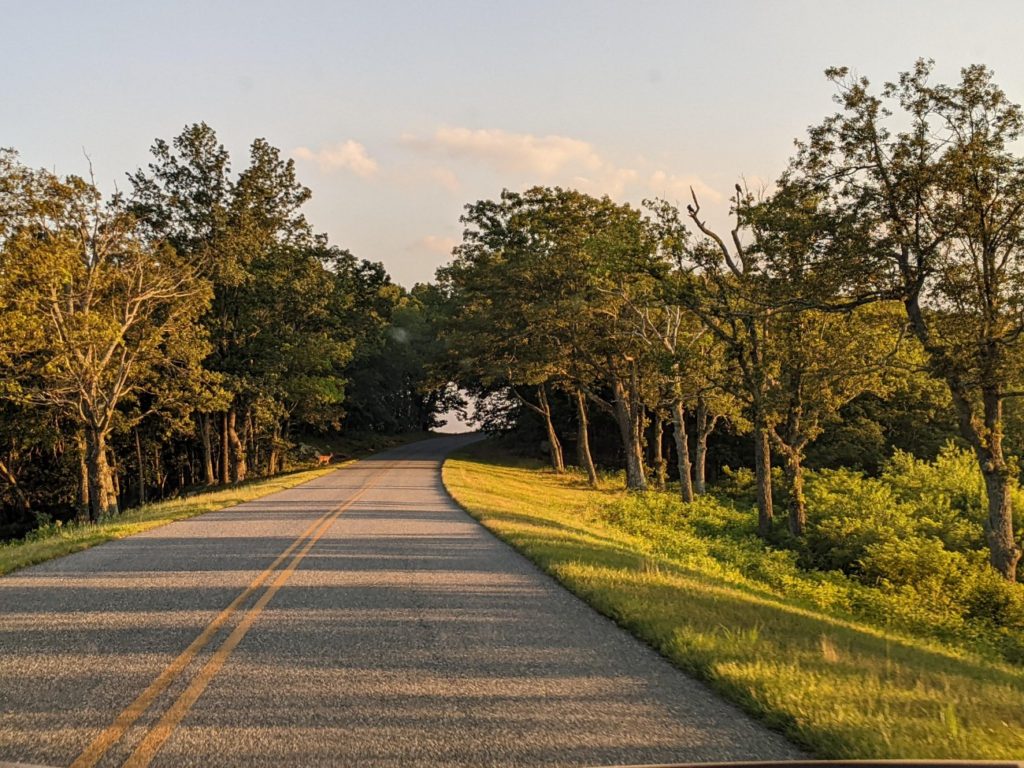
{"x": 158, "y": 734}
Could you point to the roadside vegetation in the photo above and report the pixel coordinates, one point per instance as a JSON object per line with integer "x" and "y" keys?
{"x": 812, "y": 394}
{"x": 191, "y": 331}
{"x": 880, "y": 275}
{"x": 57, "y": 538}
{"x": 869, "y": 639}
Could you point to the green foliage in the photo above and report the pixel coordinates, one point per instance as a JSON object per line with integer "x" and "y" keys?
{"x": 178, "y": 335}
{"x": 905, "y": 550}
{"x": 917, "y": 531}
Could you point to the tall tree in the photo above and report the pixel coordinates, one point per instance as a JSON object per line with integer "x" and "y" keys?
{"x": 250, "y": 239}
{"x": 931, "y": 171}
{"x": 726, "y": 291}
{"x": 94, "y": 309}
{"x": 530, "y": 285}
{"x": 825, "y": 348}
{"x": 185, "y": 198}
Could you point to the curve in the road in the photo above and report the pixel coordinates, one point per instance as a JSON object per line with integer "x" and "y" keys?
{"x": 359, "y": 619}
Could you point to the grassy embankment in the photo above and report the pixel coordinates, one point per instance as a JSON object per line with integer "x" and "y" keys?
{"x": 839, "y": 685}
{"x": 57, "y": 540}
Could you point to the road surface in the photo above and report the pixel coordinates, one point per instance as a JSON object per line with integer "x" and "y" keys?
{"x": 359, "y": 619}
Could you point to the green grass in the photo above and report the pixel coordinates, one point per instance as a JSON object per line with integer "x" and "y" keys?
{"x": 842, "y": 688}
{"x": 57, "y": 540}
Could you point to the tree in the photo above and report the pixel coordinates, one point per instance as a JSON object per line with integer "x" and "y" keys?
{"x": 940, "y": 193}
{"x": 505, "y": 329}
{"x": 823, "y": 350}
{"x": 725, "y": 290}
{"x": 689, "y": 370}
{"x": 185, "y": 199}
{"x": 530, "y": 286}
{"x": 94, "y": 309}
{"x": 275, "y": 345}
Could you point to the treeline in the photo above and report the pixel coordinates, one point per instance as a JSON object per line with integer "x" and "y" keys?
{"x": 185, "y": 332}
{"x": 886, "y": 259}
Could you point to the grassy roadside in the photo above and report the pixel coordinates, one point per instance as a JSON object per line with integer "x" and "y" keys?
{"x": 56, "y": 540}
{"x": 842, "y": 688}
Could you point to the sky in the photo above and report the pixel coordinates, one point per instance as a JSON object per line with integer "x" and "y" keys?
{"x": 399, "y": 113}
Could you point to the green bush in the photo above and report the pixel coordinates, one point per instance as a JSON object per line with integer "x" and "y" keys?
{"x": 905, "y": 549}
{"x": 846, "y": 514}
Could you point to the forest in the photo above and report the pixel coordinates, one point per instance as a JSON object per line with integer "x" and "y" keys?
{"x": 189, "y": 332}
{"x": 841, "y": 348}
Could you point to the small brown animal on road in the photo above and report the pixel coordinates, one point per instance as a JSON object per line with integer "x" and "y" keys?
{"x": 323, "y": 458}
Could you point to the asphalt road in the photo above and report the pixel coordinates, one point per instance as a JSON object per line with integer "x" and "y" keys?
{"x": 395, "y": 631}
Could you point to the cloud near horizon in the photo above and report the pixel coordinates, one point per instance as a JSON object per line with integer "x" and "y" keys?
{"x": 510, "y": 152}
{"x": 556, "y": 159}
{"x": 347, "y": 155}
{"x": 436, "y": 244}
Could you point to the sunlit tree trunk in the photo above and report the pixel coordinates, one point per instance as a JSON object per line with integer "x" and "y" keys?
{"x": 583, "y": 440}
{"x": 682, "y": 441}
{"x": 763, "y": 475}
{"x": 554, "y": 444}
{"x": 83, "y": 477}
{"x": 705, "y": 426}
{"x": 274, "y": 458}
{"x": 1004, "y": 554}
{"x": 626, "y": 418}
{"x": 238, "y": 458}
{"x": 660, "y": 465}
{"x": 203, "y": 422}
{"x": 102, "y": 500}
{"x": 225, "y": 452}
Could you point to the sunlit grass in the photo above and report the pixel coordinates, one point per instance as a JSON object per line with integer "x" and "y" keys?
{"x": 842, "y": 688}
{"x": 56, "y": 540}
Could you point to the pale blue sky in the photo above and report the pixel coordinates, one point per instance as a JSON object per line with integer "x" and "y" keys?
{"x": 399, "y": 113}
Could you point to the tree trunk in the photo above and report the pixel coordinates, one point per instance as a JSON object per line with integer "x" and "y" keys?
{"x": 660, "y": 465}
{"x": 1004, "y": 554}
{"x": 238, "y": 465}
{"x": 682, "y": 450}
{"x": 763, "y": 476}
{"x": 705, "y": 426}
{"x": 249, "y": 441}
{"x": 625, "y": 416}
{"x": 83, "y": 479}
{"x": 102, "y": 500}
{"x": 1003, "y": 551}
{"x": 987, "y": 442}
{"x": 797, "y": 502}
{"x": 141, "y": 467}
{"x": 225, "y": 452}
{"x": 554, "y": 444}
{"x": 274, "y": 458}
{"x": 584, "y": 459}
{"x": 204, "y": 434}
{"x": 115, "y": 479}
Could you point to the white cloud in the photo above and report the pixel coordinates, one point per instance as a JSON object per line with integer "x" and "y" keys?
{"x": 446, "y": 178}
{"x": 515, "y": 152}
{"x": 436, "y": 244}
{"x": 553, "y": 159}
{"x": 676, "y": 188}
{"x": 347, "y": 155}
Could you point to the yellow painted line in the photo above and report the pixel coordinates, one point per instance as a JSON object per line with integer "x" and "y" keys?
{"x": 99, "y": 746}
{"x": 154, "y": 740}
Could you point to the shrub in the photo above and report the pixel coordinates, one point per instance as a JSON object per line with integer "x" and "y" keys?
{"x": 848, "y": 513}
{"x": 902, "y": 550}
